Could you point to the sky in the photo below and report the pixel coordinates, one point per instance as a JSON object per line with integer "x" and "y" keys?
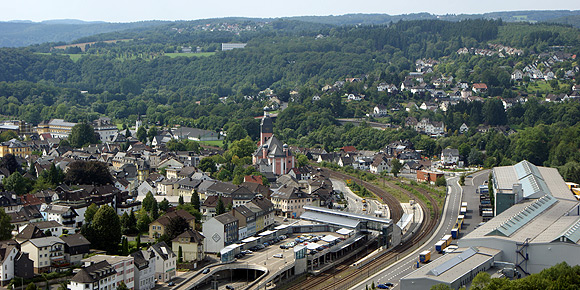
{"x": 131, "y": 10}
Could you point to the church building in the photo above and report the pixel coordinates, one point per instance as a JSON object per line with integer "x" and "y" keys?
{"x": 272, "y": 155}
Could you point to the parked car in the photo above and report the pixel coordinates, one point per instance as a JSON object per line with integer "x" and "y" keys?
{"x": 280, "y": 256}
{"x": 389, "y": 284}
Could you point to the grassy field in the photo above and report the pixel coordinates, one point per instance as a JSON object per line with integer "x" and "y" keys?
{"x": 543, "y": 87}
{"x": 74, "y": 57}
{"x": 172, "y": 55}
{"x": 218, "y": 143}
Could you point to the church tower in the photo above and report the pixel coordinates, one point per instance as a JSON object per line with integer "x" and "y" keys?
{"x": 138, "y": 123}
{"x": 266, "y": 129}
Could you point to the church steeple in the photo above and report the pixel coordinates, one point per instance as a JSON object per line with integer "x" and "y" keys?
{"x": 266, "y": 129}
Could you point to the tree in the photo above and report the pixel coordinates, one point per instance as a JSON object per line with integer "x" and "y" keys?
{"x": 180, "y": 200}
{"x": 207, "y": 165}
{"x": 236, "y": 132}
{"x": 396, "y": 166}
{"x": 155, "y": 211}
{"x": 180, "y": 255}
{"x": 164, "y": 204}
{"x": 31, "y": 286}
{"x": 90, "y": 213}
{"x": 124, "y": 247}
{"x": 220, "y": 207}
{"x": 480, "y": 281}
{"x": 17, "y": 183}
{"x": 195, "y": 201}
{"x": 440, "y": 181}
{"x": 152, "y": 133}
{"x": 142, "y": 134}
{"x": 138, "y": 241}
{"x": 82, "y": 134}
{"x": 124, "y": 223}
{"x": 148, "y": 201}
{"x": 88, "y": 172}
{"x": 5, "y": 226}
{"x": 475, "y": 157}
{"x": 122, "y": 286}
{"x": 302, "y": 160}
{"x": 143, "y": 222}
{"x": 107, "y": 227}
{"x": 9, "y": 162}
{"x": 176, "y": 227}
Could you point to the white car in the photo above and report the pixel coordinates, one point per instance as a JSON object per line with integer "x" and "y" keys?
{"x": 280, "y": 256}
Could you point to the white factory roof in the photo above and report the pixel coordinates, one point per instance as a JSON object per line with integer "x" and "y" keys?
{"x": 453, "y": 266}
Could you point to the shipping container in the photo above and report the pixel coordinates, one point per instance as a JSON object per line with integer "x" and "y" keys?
{"x": 463, "y": 210}
{"x": 455, "y": 233}
{"x": 425, "y": 256}
{"x": 447, "y": 239}
{"x": 440, "y": 246}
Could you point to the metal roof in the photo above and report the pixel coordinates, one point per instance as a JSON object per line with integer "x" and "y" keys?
{"x": 440, "y": 269}
{"x": 330, "y": 219}
{"x": 514, "y": 223}
{"x": 571, "y": 235}
{"x": 347, "y": 214}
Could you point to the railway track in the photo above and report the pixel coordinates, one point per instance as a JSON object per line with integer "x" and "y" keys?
{"x": 349, "y": 279}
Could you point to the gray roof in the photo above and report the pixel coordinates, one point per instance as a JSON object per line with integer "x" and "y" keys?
{"x": 46, "y": 241}
{"x": 94, "y": 272}
{"x": 226, "y": 218}
{"x": 75, "y": 240}
{"x": 329, "y": 219}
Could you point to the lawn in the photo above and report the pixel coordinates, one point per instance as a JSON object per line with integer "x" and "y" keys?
{"x": 218, "y": 143}
{"x": 199, "y": 54}
{"x": 74, "y": 57}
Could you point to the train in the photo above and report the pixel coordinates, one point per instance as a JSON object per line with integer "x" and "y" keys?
{"x": 425, "y": 256}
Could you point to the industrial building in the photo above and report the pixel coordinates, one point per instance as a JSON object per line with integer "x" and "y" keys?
{"x": 537, "y": 225}
{"x": 454, "y": 269}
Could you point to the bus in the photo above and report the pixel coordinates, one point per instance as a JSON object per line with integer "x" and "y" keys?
{"x": 425, "y": 256}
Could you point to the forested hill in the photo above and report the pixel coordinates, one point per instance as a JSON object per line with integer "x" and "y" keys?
{"x": 24, "y": 33}
{"x": 17, "y": 34}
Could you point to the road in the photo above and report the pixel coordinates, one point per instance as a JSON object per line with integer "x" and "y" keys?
{"x": 355, "y": 204}
{"x": 407, "y": 264}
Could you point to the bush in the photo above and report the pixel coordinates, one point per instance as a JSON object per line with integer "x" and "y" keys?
{"x": 440, "y": 181}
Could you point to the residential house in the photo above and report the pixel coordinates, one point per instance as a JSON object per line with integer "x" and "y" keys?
{"x": 165, "y": 262}
{"x": 289, "y": 201}
{"x": 450, "y": 156}
{"x": 429, "y": 176}
{"x": 479, "y": 88}
{"x": 264, "y": 210}
{"x": 159, "y": 226}
{"x": 8, "y": 255}
{"x": 380, "y": 164}
{"x": 432, "y": 128}
{"x": 380, "y": 111}
{"x": 76, "y": 246}
{"x": 246, "y": 221}
{"x": 144, "y": 262}
{"x": 463, "y": 129}
{"x": 209, "y": 204}
{"x": 97, "y": 276}
{"x": 517, "y": 75}
{"x": 51, "y": 228}
{"x": 221, "y": 231}
{"x": 123, "y": 265}
{"x": 10, "y": 202}
{"x": 300, "y": 173}
{"x": 47, "y": 253}
{"x": 191, "y": 244}
{"x": 64, "y": 215}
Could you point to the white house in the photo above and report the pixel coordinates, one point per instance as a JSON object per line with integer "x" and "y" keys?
{"x": 463, "y": 128}
{"x": 46, "y": 253}
{"x": 144, "y": 269}
{"x": 98, "y": 276}
{"x": 65, "y": 215}
{"x": 380, "y": 164}
{"x": 449, "y": 156}
{"x": 380, "y": 110}
{"x": 7, "y": 257}
{"x": 123, "y": 265}
{"x": 165, "y": 262}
